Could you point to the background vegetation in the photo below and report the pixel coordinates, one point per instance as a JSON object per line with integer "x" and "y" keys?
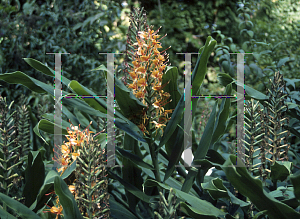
{"x": 83, "y": 28}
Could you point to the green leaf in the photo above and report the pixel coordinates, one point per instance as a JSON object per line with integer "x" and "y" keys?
{"x": 250, "y": 33}
{"x": 256, "y": 56}
{"x": 82, "y": 119}
{"x": 220, "y": 52}
{"x": 130, "y": 128}
{"x": 220, "y": 124}
{"x": 130, "y": 171}
{"x": 295, "y": 178}
{"x": 280, "y": 171}
{"x": 200, "y": 70}
{"x": 21, "y": 78}
{"x": 226, "y": 66}
{"x": 171, "y": 76}
{"x": 201, "y": 65}
{"x": 224, "y": 58}
{"x": 217, "y": 190}
{"x": 69, "y": 170}
{"x": 283, "y": 61}
{"x": 265, "y": 52}
{"x": 173, "y": 183}
{"x": 132, "y": 189}
{"x": 202, "y": 147}
{"x": 278, "y": 44}
{"x": 129, "y": 105}
{"x": 34, "y": 176}
{"x": 176, "y": 152}
{"x": 250, "y": 22}
{"x": 127, "y": 102}
{"x": 66, "y": 199}
{"x": 233, "y": 47}
{"x": 101, "y": 68}
{"x": 46, "y": 126}
{"x": 169, "y": 146}
{"x": 215, "y": 157}
{"x": 252, "y": 188}
{"x": 193, "y": 212}
{"x": 39, "y": 66}
{"x": 206, "y": 164}
{"x": 6, "y": 215}
{"x": 101, "y": 138}
{"x": 50, "y": 117}
{"x": 48, "y": 183}
{"x": 98, "y": 104}
{"x": 247, "y": 70}
{"x": 37, "y": 86}
{"x": 207, "y": 136}
{"x": 173, "y": 122}
{"x": 292, "y": 130}
{"x": 260, "y": 214}
{"x": 44, "y": 69}
{"x": 224, "y": 79}
{"x": 119, "y": 211}
{"x": 19, "y": 208}
{"x": 203, "y": 207}
{"x": 291, "y": 82}
{"x": 256, "y": 69}
{"x": 134, "y": 158}
{"x": 254, "y": 93}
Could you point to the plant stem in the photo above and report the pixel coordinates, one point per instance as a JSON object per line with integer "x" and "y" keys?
{"x": 154, "y": 155}
{"x": 152, "y": 147}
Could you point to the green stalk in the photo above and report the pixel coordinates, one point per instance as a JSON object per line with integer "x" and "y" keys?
{"x": 5, "y": 176}
{"x": 152, "y": 147}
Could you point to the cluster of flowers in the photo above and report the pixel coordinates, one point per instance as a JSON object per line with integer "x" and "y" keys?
{"x": 146, "y": 74}
{"x": 69, "y": 154}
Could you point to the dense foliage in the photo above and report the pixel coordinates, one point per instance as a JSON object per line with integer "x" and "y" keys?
{"x": 150, "y": 118}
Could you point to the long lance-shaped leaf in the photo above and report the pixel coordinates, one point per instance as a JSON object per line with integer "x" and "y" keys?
{"x": 34, "y": 175}
{"x": 220, "y": 125}
{"x": 131, "y": 188}
{"x": 133, "y": 158}
{"x": 6, "y": 215}
{"x": 117, "y": 210}
{"x": 202, "y": 148}
{"x": 169, "y": 80}
{"x": 127, "y": 102}
{"x": 201, "y": 66}
{"x": 40, "y": 87}
{"x": 203, "y": 207}
{"x": 98, "y": 104}
{"x": 132, "y": 173}
{"x": 18, "y": 207}
{"x": 48, "y": 183}
{"x": 197, "y": 76}
{"x": 217, "y": 190}
{"x": 66, "y": 199}
{"x": 44, "y": 69}
{"x": 253, "y": 189}
{"x": 176, "y": 152}
{"x": 226, "y": 79}
{"x": 218, "y": 131}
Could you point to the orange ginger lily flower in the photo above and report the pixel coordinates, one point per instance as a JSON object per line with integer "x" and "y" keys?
{"x": 148, "y": 61}
{"x": 55, "y": 210}
{"x": 158, "y": 126}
